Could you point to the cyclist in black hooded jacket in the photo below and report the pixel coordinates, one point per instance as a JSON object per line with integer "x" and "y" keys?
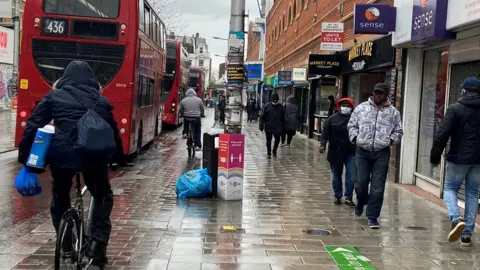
{"x": 77, "y": 90}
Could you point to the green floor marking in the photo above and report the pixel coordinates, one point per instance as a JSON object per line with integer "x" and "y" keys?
{"x": 348, "y": 258}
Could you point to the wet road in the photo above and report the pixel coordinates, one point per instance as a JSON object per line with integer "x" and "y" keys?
{"x": 7, "y": 130}
{"x": 283, "y": 200}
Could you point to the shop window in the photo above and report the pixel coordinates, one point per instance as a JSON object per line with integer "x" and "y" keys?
{"x": 432, "y": 110}
{"x": 200, "y": 63}
{"x": 327, "y": 88}
{"x": 360, "y": 86}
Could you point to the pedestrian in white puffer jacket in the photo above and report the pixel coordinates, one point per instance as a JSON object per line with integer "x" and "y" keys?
{"x": 373, "y": 127}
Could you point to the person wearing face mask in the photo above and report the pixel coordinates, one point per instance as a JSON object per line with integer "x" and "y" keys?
{"x": 374, "y": 126}
{"x": 341, "y": 152}
{"x": 272, "y": 120}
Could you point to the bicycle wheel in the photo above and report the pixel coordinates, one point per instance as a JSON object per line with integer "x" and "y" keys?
{"x": 67, "y": 249}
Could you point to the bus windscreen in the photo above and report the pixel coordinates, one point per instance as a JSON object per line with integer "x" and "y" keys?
{"x": 193, "y": 81}
{"x": 84, "y": 8}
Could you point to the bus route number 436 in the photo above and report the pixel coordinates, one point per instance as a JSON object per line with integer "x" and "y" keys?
{"x": 55, "y": 27}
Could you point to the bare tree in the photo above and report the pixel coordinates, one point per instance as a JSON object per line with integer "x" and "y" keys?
{"x": 170, "y": 14}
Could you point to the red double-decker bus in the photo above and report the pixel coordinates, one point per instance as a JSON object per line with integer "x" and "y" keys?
{"x": 176, "y": 82}
{"x": 124, "y": 42}
{"x": 196, "y": 81}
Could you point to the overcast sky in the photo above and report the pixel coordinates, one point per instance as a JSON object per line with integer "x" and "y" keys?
{"x": 211, "y": 18}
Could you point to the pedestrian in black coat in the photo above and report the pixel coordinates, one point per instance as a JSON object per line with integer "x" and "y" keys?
{"x": 341, "y": 152}
{"x": 251, "y": 109}
{"x": 461, "y": 125}
{"x": 272, "y": 120}
{"x": 292, "y": 117}
{"x": 77, "y": 91}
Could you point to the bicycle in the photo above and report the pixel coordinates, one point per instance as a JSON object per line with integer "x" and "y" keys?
{"x": 72, "y": 244}
{"x": 191, "y": 139}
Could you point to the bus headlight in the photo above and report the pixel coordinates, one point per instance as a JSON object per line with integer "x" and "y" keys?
{"x": 173, "y": 104}
{"x": 23, "y": 124}
{"x": 23, "y": 114}
{"x": 123, "y": 26}
{"x": 124, "y": 121}
{"x": 122, "y": 130}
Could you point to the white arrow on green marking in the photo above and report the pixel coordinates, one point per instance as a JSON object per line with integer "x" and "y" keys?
{"x": 342, "y": 250}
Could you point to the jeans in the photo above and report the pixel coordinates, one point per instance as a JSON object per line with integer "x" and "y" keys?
{"x": 269, "y": 135}
{"x": 350, "y": 176}
{"x": 197, "y": 126}
{"x": 289, "y": 136}
{"x": 372, "y": 168}
{"x": 98, "y": 185}
{"x": 454, "y": 176}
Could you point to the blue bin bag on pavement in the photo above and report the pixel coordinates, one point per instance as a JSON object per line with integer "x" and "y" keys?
{"x": 27, "y": 183}
{"x": 194, "y": 184}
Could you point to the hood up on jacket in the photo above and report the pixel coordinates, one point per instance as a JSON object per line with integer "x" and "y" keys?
{"x": 191, "y": 92}
{"x": 79, "y": 75}
{"x": 470, "y": 99}
{"x": 291, "y": 100}
{"x": 342, "y": 100}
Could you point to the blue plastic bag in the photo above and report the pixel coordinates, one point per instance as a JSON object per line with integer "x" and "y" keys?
{"x": 194, "y": 184}
{"x": 27, "y": 183}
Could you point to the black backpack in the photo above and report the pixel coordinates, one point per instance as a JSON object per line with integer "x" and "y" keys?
{"x": 94, "y": 135}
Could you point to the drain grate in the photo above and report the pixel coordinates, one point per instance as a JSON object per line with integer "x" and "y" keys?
{"x": 416, "y": 228}
{"x": 318, "y": 232}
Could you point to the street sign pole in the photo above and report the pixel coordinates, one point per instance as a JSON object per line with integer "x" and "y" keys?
{"x": 16, "y": 47}
{"x": 235, "y": 68}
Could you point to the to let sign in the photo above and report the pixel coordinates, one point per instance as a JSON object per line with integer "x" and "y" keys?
{"x": 332, "y": 36}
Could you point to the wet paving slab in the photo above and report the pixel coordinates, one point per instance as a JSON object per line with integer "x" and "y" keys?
{"x": 286, "y": 203}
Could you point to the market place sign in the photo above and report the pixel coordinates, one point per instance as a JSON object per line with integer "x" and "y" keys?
{"x": 374, "y": 19}
{"x": 323, "y": 64}
{"x": 364, "y": 49}
{"x": 429, "y": 20}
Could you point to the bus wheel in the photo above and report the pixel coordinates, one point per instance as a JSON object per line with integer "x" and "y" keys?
{"x": 140, "y": 140}
{"x": 156, "y": 127}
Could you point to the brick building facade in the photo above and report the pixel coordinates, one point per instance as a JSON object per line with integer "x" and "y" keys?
{"x": 253, "y": 44}
{"x": 294, "y": 30}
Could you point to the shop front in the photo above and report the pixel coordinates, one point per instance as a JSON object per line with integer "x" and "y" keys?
{"x": 365, "y": 65}
{"x": 285, "y": 85}
{"x": 323, "y": 71}
{"x": 300, "y": 93}
{"x": 449, "y": 53}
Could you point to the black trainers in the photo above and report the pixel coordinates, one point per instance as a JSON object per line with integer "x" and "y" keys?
{"x": 269, "y": 156}
{"x": 337, "y": 201}
{"x": 349, "y": 202}
{"x": 457, "y": 229}
{"x": 274, "y": 154}
{"x": 465, "y": 241}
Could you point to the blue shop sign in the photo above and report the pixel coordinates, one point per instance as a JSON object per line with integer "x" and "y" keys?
{"x": 285, "y": 78}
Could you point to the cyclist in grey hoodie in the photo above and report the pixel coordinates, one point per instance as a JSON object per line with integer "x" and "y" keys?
{"x": 192, "y": 109}
{"x": 374, "y": 126}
